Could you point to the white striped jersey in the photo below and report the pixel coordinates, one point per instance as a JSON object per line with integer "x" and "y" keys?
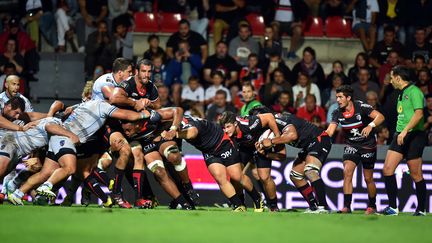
{"x": 88, "y": 117}
{"x": 104, "y": 80}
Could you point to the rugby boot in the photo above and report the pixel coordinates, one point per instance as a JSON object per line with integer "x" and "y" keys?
{"x": 108, "y": 204}
{"x": 240, "y": 208}
{"x": 259, "y": 206}
{"x": 419, "y": 213}
{"x": 389, "y": 211}
{"x": 117, "y": 198}
{"x": 45, "y": 190}
{"x": 2, "y": 198}
{"x": 85, "y": 196}
{"x": 194, "y": 196}
{"x": 15, "y": 199}
{"x": 344, "y": 210}
{"x": 143, "y": 204}
{"x": 370, "y": 211}
{"x": 41, "y": 200}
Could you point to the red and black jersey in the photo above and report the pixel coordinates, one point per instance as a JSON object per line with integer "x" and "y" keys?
{"x": 210, "y": 134}
{"x": 151, "y": 127}
{"x": 306, "y": 131}
{"x": 250, "y": 131}
{"x": 353, "y": 122}
{"x": 149, "y": 90}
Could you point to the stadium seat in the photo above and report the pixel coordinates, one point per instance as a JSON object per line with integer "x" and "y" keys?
{"x": 313, "y": 27}
{"x": 257, "y": 23}
{"x": 338, "y": 27}
{"x": 168, "y": 22}
{"x": 146, "y": 22}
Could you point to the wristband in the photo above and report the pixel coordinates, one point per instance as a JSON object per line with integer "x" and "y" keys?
{"x": 372, "y": 124}
{"x": 143, "y": 115}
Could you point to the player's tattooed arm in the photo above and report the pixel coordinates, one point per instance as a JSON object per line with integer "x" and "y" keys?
{"x": 268, "y": 120}
{"x": 176, "y": 115}
{"x": 289, "y": 135}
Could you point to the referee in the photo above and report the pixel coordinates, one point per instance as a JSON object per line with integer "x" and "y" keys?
{"x": 408, "y": 142}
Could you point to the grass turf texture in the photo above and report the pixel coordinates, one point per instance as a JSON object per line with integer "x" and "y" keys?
{"x": 93, "y": 224}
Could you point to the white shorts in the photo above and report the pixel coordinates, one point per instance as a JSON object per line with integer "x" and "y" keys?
{"x": 59, "y": 146}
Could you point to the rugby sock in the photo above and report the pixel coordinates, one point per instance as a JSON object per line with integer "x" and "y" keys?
{"x": 73, "y": 186}
{"x": 254, "y": 194}
{"x": 137, "y": 176}
{"x": 421, "y": 195}
{"x": 235, "y": 201}
{"x": 147, "y": 191}
{"x": 94, "y": 187}
{"x": 372, "y": 202}
{"x": 187, "y": 186}
{"x": 273, "y": 203}
{"x": 119, "y": 174}
{"x": 21, "y": 177}
{"x": 347, "y": 200}
{"x": 391, "y": 188}
{"x": 307, "y": 193}
{"x": 242, "y": 197}
{"x": 320, "y": 192}
{"x": 261, "y": 187}
{"x": 101, "y": 176}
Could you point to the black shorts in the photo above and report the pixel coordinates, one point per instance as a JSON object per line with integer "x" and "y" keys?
{"x": 251, "y": 155}
{"x": 357, "y": 154}
{"x": 226, "y": 154}
{"x": 413, "y": 145}
{"x": 318, "y": 148}
{"x": 111, "y": 126}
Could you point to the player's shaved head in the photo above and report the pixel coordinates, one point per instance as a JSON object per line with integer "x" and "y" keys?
{"x": 12, "y": 78}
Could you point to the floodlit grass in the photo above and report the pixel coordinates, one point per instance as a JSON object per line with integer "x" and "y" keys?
{"x": 93, "y": 224}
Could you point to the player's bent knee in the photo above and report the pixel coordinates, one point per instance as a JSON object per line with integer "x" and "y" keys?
{"x": 312, "y": 171}
{"x": 153, "y": 166}
{"x": 181, "y": 166}
{"x": 296, "y": 176}
{"x": 171, "y": 150}
{"x": 369, "y": 180}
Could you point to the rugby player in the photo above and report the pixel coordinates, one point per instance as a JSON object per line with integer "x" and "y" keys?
{"x": 85, "y": 120}
{"x": 12, "y": 89}
{"x": 315, "y": 144}
{"x": 246, "y": 132}
{"x": 358, "y": 121}
{"x": 222, "y": 159}
{"x": 156, "y": 140}
{"x": 408, "y": 141}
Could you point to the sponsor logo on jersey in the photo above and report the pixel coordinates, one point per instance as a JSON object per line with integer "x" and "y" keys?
{"x": 3, "y": 146}
{"x": 358, "y": 116}
{"x": 368, "y": 155}
{"x": 255, "y": 124}
{"x": 226, "y": 154}
{"x": 355, "y": 132}
{"x": 62, "y": 143}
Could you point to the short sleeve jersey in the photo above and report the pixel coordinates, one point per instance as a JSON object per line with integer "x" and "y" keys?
{"x": 410, "y": 99}
{"x": 88, "y": 117}
{"x": 210, "y": 134}
{"x": 102, "y": 81}
{"x": 353, "y": 123}
{"x": 250, "y": 130}
{"x": 306, "y": 131}
{"x": 35, "y": 137}
{"x": 149, "y": 91}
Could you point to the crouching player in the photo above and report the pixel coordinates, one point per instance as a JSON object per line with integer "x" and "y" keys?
{"x": 358, "y": 121}
{"x": 315, "y": 145}
{"x": 222, "y": 159}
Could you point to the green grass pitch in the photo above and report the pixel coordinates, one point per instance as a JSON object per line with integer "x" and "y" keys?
{"x": 92, "y": 224}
